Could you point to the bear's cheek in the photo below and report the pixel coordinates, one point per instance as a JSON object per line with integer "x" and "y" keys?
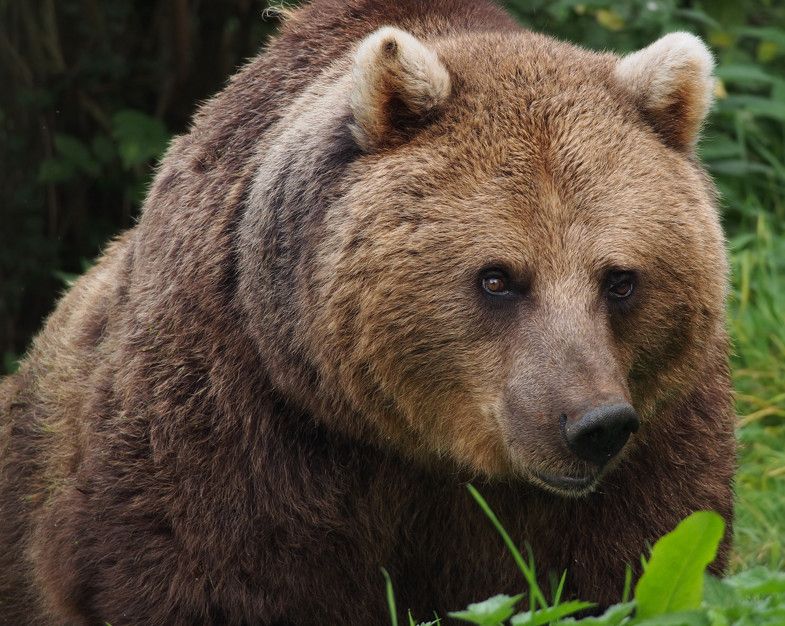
{"x": 668, "y": 353}
{"x": 450, "y": 388}
{"x": 665, "y": 341}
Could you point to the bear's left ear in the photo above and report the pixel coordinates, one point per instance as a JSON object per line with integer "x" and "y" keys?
{"x": 672, "y": 85}
{"x": 397, "y": 83}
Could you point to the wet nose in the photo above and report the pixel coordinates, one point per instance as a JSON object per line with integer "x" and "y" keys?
{"x": 600, "y": 433}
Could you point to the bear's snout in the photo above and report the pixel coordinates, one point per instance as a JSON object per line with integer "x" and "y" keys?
{"x": 600, "y": 433}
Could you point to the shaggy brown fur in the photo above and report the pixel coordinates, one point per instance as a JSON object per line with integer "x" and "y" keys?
{"x": 282, "y": 378}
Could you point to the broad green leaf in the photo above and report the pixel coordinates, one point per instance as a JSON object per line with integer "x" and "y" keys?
{"x": 545, "y": 616}
{"x": 720, "y": 38}
{"x": 673, "y": 580}
{"x": 492, "y": 611}
{"x": 778, "y": 92}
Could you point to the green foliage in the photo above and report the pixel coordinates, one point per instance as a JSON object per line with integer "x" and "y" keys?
{"x": 674, "y": 590}
{"x": 673, "y": 578}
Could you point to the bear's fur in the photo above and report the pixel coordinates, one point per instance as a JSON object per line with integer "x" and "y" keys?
{"x": 283, "y": 377}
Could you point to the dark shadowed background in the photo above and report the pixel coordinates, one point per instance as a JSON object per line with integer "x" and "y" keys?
{"x": 92, "y": 90}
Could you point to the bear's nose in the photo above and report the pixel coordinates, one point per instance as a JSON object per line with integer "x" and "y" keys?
{"x": 601, "y": 432}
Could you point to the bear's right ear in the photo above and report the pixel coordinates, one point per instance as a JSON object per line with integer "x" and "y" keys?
{"x": 397, "y": 84}
{"x": 671, "y": 82}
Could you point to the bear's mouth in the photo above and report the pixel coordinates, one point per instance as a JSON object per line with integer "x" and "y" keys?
{"x": 569, "y": 485}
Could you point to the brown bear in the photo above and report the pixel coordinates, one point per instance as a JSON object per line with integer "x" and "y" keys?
{"x": 409, "y": 246}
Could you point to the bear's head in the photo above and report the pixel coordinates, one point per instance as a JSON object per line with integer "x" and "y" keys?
{"x": 496, "y": 249}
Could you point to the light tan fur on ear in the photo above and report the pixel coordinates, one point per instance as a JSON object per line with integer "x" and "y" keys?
{"x": 397, "y": 82}
{"x": 672, "y": 84}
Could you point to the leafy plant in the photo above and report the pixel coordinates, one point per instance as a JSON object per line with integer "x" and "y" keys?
{"x": 673, "y": 577}
{"x": 674, "y": 589}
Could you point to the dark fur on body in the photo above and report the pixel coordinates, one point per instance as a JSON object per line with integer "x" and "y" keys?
{"x": 188, "y": 442}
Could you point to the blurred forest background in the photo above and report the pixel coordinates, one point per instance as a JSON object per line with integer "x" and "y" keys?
{"x": 92, "y": 90}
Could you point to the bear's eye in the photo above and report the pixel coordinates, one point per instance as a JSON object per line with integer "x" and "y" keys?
{"x": 620, "y": 285}
{"x": 495, "y": 282}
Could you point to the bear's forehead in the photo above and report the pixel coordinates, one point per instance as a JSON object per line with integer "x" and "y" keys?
{"x": 524, "y": 96}
{"x": 559, "y": 159}
{"x": 529, "y": 65}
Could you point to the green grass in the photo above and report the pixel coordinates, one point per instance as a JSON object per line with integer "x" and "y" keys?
{"x": 757, "y": 324}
